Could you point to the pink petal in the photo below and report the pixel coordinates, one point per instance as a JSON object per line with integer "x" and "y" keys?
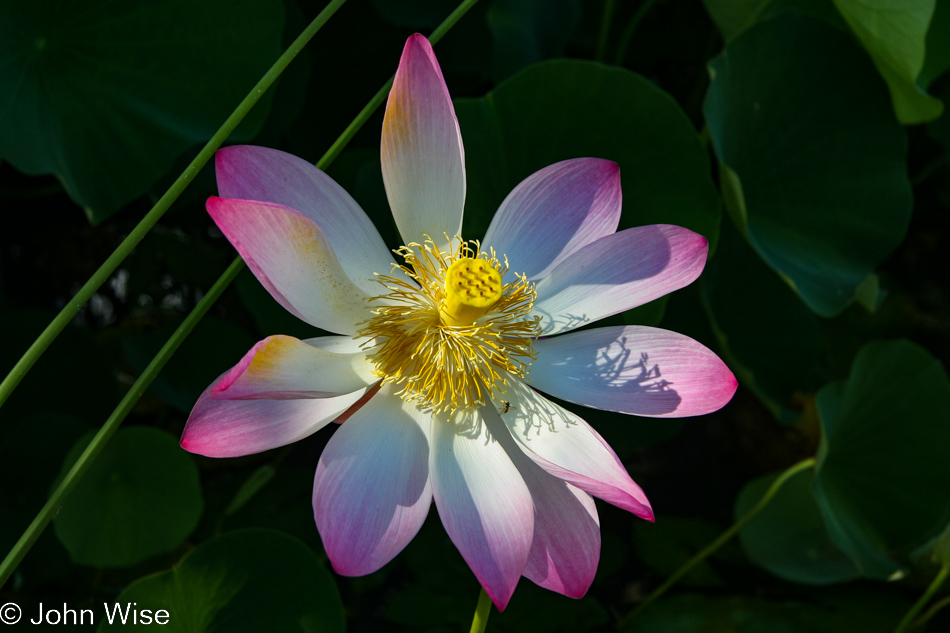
{"x": 566, "y": 544}
{"x": 371, "y": 493}
{"x": 290, "y": 255}
{"x": 554, "y": 212}
{"x": 246, "y": 172}
{"x": 484, "y": 503}
{"x": 233, "y": 428}
{"x": 285, "y": 368}
{"x": 618, "y": 272}
{"x": 634, "y": 369}
{"x": 565, "y": 446}
{"x": 422, "y": 157}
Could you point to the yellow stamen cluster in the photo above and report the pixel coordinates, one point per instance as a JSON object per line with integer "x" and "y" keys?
{"x": 447, "y": 330}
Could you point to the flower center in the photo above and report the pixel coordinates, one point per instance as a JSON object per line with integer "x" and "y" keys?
{"x": 448, "y": 330}
{"x": 472, "y": 288}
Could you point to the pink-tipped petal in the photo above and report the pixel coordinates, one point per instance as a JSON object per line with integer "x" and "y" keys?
{"x": 554, "y": 212}
{"x": 290, "y": 255}
{"x": 567, "y": 447}
{"x": 565, "y": 548}
{"x": 371, "y": 493}
{"x": 233, "y": 428}
{"x": 616, "y": 273}
{"x": 634, "y": 369}
{"x": 246, "y": 172}
{"x": 422, "y": 157}
{"x": 484, "y": 503}
{"x": 284, "y": 368}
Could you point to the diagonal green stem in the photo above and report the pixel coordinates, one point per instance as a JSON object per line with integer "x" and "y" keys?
{"x": 604, "y": 30}
{"x": 108, "y": 429}
{"x": 725, "y": 536}
{"x": 152, "y": 217}
{"x": 934, "y": 587}
{"x": 931, "y": 612}
{"x": 380, "y": 97}
{"x": 482, "y": 611}
{"x": 59, "y": 495}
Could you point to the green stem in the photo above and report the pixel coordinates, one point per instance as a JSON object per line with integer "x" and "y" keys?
{"x": 380, "y": 97}
{"x": 924, "y": 599}
{"x": 108, "y": 267}
{"x": 725, "y": 536}
{"x": 628, "y": 32}
{"x": 59, "y": 495}
{"x": 482, "y": 611}
{"x": 931, "y": 612}
{"x": 108, "y": 429}
{"x": 604, "y": 30}
{"x": 928, "y": 171}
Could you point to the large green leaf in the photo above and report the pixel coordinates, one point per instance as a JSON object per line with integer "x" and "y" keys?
{"x": 898, "y": 34}
{"x": 937, "y": 60}
{"x": 894, "y": 32}
{"x": 788, "y": 537}
{"x": 31, "y": 453}
{"x": 139, "y": 498}
{"x": 527, "y": 31}
{"x": 816, "y": 161}
{"x": 882, "y": 480}
{"x": 105, "y": 94}
{"x": 245, "y": 581}
{"x": 734, "y": 16}
{"x": 564, "y": 109}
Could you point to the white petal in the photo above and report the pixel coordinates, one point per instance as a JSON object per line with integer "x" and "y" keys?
{"x": 484, "y": 503}
{"x": 233, "y": 428}
{"x": 567, "y": 447}
{"x": 422, "y": 157}
{"x": 565, "y": 547}
{"x": 618, "y": 272}
{"x": 554, "y": 212}
{"x": 269, "y": 175}
{"x": 371, "y": 493}
{"x": 633, "y": 369}
{"x": 289, "y": 254}
{"x": 284, "y": 368}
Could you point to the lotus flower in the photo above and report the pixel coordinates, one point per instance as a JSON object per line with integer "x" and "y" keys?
{"x": 443, "y": 357}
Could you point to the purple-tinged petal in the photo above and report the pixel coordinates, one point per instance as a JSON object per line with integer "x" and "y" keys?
{"x": 634, "y": 369}
{"x": 566, "y": 544}
{"x": 371, "y": 493}
{"x": 246, "y": 172}
{"x": 422, "y": 157}
{"x": 284, "y": 368}
{"x": 554, "y": 212}
{"x": 290, "y": 255}
{"x": 567, "y": 447}
{"x": 616, "y": 273}
{"x": 566, "y": 547}
{"x": 233, "y": 428}
{"x": 484, "y": 503}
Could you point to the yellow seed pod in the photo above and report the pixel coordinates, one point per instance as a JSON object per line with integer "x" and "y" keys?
{"x": 472, "y": 288}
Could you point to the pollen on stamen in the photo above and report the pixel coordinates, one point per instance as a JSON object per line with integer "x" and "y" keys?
{"x": 449, "y": 356}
